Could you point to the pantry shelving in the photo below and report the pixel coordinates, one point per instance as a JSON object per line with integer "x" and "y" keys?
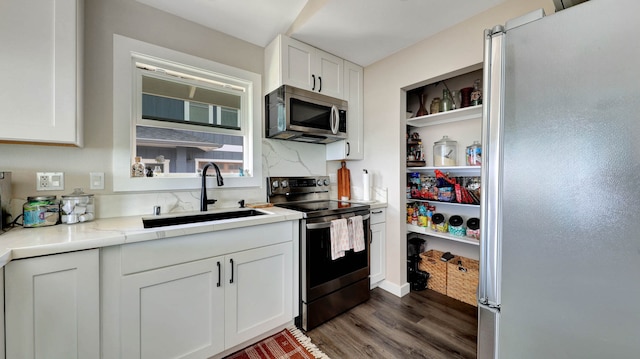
{"x": 462, "y": 114}
{"x": 427, "y": 231}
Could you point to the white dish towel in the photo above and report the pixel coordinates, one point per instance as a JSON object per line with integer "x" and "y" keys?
{"x": 339, "y": 238}
{"x": 356, "y": 233}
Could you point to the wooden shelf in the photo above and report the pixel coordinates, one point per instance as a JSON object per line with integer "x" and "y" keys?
{"x": 439, "y": 118}
{"x": 429, "y": 232}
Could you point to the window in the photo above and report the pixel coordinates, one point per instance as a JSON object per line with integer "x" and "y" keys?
{"x": 183, "y": 111}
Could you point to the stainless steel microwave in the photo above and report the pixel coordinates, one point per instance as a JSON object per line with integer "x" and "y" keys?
{"x": 300, "y": 115}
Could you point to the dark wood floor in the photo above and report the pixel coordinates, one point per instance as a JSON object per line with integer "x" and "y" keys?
{"x": 422, "y": 324}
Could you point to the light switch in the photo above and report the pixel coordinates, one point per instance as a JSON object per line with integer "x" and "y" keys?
{"x": 96, "y": 180}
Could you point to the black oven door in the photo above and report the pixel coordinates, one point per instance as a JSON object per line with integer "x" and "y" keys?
{"x": 320, "y": 275}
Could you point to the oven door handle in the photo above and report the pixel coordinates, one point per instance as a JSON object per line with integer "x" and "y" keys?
{"x": 328, "y": 224}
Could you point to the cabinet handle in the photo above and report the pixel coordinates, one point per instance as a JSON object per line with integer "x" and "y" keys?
{"x": 314, "y": 82}
{"x": 320, "y": 88}
{"x": 219, "y": 275}
{"x": 231, "y": 280}
{"x": 348, "y": 148}
{"x": 376, "y": 212}
{"x": 370, "y": 237}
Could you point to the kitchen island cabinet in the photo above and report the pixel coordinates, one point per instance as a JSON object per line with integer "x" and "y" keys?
{"x": 40, "y": 91}
{"x": 52, "y": 306}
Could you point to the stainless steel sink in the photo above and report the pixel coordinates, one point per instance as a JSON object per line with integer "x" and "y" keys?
{"x": 153, "y": 222}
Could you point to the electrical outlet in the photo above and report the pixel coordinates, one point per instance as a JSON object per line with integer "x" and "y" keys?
{"x": 49, "y": 181}
{"x": 96, "y": 180}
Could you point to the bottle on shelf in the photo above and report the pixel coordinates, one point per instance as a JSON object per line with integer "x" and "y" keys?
{"x": 476, "y": 94}
{"x": 446, "y": 104}
{"x": 137, "y": 169}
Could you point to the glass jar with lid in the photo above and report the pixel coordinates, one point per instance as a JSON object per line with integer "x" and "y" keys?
{"x": 474, "y": 154}
{"x": 445, "y": 152}
{"x": 77, "y": 207}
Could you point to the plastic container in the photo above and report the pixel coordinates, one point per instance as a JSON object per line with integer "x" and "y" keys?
{"x": 40, "y": 211}
{"x": 77, "y": 207}
{"x": 445, "y": 152}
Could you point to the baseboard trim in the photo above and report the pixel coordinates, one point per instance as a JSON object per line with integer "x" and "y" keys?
{"x": 397, "y": 290}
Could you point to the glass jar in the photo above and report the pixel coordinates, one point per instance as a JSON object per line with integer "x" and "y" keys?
{"x": 474, "y": 154}
{"x": 439, "y": 223}
{"x": 476, "y": 94}
{"x": 473, "y": 228}
{"x": 456, "y": 227}
{"x": 446, "y": 104}
{"x": 40, "y": 211}
{"x": 445, "y": 152}
{"x": 435, "y": 105}
{"x": 77, "y": 207}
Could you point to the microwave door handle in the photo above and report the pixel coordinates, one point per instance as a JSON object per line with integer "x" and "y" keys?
{"x": 335, "y": 119}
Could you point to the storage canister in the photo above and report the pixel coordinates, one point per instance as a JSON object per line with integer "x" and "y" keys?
{"x": 439, "y": 223}
{"x": 40, "y": 211}
{"x": 473, "y": 228}
{"x": 455, "y": 226}
{"x": 77, "y": 207}
{"x": 445, "y": 152}
{"x": 474, "y": 154}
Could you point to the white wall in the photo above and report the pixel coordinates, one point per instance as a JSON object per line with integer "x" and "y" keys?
{"x": 458, "y": 47}
{"x": 102, "y": 19}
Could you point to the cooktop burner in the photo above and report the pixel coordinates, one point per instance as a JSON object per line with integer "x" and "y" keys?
{"x": 322, "y": 206}
{"x": 309, "y": 195}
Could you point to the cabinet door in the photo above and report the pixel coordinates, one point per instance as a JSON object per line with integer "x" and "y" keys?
{"x": 39, "y": 68}
{"x": 52, "y": 306}
{"x": 259, "y": 291}
{"x": 174, "y": 312}
{"x": 297, "y": 64}
{"x": 353, "y": 147}
{"x": 328, "y": 70}
{"x": 378, "y": 256}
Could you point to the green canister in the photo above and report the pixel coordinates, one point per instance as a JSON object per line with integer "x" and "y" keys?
{"x": 40, "y": 211}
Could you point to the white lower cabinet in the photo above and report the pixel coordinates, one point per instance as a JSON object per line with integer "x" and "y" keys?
{"x": 174, "y": 312}
{"x": 52, "y": 306}
{"x": 260, "y": 297}
{"x": 378, "y": 251}
{"x": 199, "y": 295}
{"x": 200, "y": 308}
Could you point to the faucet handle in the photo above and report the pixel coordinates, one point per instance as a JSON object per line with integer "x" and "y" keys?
{"x": 241, "y": 203}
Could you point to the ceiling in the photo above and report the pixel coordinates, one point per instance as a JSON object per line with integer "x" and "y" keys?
{"x": 361, "y": 31}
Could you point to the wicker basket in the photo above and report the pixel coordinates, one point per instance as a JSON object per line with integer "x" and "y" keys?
{"x": 430, "y": 262}
{"x": 462, "y": 279}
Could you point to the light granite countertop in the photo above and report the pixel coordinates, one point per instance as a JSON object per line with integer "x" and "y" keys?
{"x": 20, "y": 242}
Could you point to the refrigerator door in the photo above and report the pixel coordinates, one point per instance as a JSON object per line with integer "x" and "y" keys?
{"x": 570, "y": 185}
{"x": 488, "y": 322}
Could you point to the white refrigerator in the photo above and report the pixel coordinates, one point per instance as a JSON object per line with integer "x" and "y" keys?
{"x": 560, "y": 240}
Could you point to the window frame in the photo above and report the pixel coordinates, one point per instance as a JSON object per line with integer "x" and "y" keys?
{"x": 126, "y": 52}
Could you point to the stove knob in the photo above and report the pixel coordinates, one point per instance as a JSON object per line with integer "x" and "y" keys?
{"x": 274, "y": 184}
{"x": 284, "y": 184}
{"x": 325, "y": 182}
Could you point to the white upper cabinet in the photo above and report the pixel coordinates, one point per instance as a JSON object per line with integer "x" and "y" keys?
{"x": 40, "y": 68}
{"x": 353, "y": 147}
{"x": 291, "y": 62}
